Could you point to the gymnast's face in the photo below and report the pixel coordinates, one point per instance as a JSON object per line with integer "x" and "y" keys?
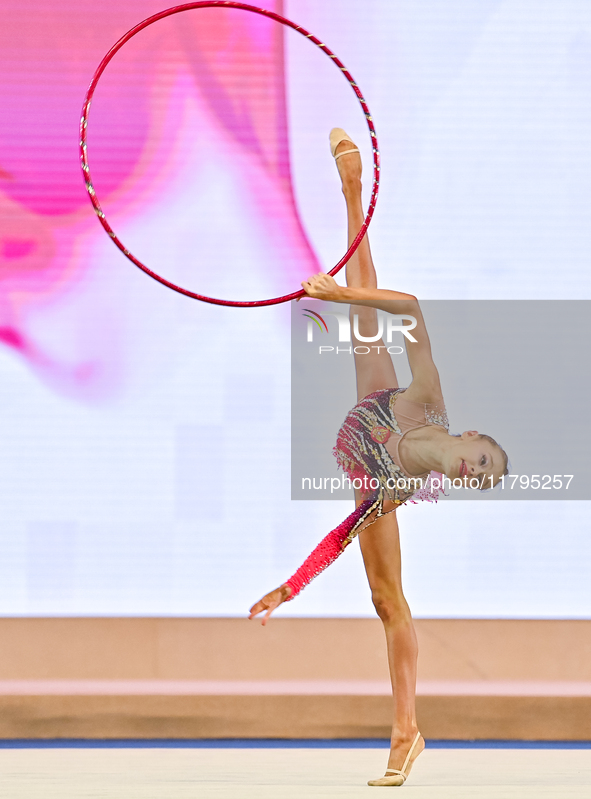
{"x": 476, "y": 460}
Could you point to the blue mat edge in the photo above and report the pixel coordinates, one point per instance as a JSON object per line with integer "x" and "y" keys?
{"x": 272, "y": 743}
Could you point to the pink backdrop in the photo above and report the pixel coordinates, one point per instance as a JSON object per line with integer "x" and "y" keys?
{"x": 142, "y": 145}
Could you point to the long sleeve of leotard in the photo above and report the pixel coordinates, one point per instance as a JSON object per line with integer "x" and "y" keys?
{"x": 329, "y": 549}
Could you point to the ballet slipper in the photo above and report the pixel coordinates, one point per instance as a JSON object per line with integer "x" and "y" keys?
{"x": 337, "y": 135}
{"x": 396, "y": 776}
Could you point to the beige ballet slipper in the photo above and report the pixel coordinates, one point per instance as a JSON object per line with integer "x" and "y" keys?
{"x": 337, "y": 135}
{"x": 394, "y": 776}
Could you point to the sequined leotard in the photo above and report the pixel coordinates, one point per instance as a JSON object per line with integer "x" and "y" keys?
{"x": 368, "y": 441}
{"x": 381, "y": 418}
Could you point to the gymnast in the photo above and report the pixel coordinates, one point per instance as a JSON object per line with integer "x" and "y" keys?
{"x": 396, "y": 439}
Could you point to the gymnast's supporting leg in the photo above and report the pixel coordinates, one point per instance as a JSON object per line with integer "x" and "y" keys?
{"x": 380, "y": 546}
{"x": 380, "y": 543}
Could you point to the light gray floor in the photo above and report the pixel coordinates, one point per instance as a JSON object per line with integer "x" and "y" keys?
{"x": 288, "y": 773}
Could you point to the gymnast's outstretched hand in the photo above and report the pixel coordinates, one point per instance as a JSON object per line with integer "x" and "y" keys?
{"x": 323, "y": 287}
{"x": 270, "y": 602}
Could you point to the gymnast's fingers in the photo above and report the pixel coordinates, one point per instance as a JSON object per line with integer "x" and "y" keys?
{"x": 257, "y": 608}
{"x": 310, "y": 285}
{"x": 267, "y": 603}
{"x": 265, "y": 618}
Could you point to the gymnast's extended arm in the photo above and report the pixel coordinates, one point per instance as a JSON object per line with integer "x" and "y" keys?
{"x": 327, "y": 551}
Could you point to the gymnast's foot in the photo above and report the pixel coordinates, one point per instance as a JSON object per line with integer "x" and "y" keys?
{"x": 349, "y": 165}
{"x": 403, "y": 753}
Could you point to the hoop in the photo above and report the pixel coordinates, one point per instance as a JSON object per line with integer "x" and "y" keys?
{"x": 86, "y": 169}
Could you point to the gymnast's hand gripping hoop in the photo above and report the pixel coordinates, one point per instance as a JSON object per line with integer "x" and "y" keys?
{"x": 86, "y": 169}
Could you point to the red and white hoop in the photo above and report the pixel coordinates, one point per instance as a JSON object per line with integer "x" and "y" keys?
{"x": 84, "y": 150}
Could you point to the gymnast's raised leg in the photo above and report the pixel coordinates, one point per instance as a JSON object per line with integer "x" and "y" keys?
{"x": 380, "y": 544}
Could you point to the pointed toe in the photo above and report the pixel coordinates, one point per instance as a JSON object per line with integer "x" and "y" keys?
{"x": 394, "y": 780}
{"x": 337, "y": 135}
